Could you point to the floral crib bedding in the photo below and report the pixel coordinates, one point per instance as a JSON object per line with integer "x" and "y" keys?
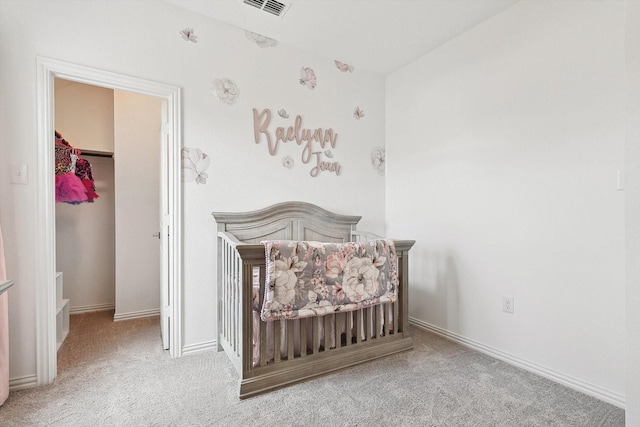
{"x": 313, "y": 279}
{"x": 306, "y": 279}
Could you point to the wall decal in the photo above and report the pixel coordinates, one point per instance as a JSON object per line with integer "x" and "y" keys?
{"x": 358, "y": 113}
{"x": 308, "y": 77}
{"x": 194, "y": 165}
{"x": 260, "y": 40}
{"x": 328, "y": 153}
{"x": 288, "y": 162}
{"x": 283, "y": 113}
{"x": 188, "y": 35}
{"x": 377, "y": 159}
{"x": 344, "y": 67}
{"x": 225, "y": 90}
{"x": 302, "y": 136}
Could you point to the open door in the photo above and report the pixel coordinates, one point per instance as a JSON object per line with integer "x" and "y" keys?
{"x": 165, "y": 300}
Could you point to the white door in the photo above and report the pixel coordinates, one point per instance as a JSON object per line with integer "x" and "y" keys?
{"x": 137, "y": 123}
{"x": 164, "y": 229}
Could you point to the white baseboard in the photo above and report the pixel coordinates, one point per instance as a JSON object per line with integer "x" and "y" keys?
{"x": 573, "y": 383}
{"x": 22, "y": 383}
{"x": 89, "y": 308}
{"x": 136, "y": 314}
{"x": 200, "y": 347}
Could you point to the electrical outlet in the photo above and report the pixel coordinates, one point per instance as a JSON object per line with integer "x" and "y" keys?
{"x": 507, "y": 304}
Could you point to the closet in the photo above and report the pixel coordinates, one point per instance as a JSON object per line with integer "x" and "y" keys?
{"x": 105, "y": 248}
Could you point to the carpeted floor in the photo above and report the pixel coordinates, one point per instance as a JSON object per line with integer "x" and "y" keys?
{"x": 116, "y": 374}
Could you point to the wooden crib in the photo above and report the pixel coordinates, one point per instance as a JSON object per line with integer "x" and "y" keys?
{"x": 308, "y": 347}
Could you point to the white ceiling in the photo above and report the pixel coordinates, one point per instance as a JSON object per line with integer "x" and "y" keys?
{"x": 378, "y": 35}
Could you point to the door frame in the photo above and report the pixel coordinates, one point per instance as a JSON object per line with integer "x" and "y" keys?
{"x": 47, "y": 70}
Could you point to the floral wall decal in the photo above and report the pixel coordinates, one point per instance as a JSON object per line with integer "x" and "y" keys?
{"x": 377, "y": 159}
{"x": 225, "y": 90}
{"x": 308, "y": 77}
{"x": 194, "y": 165}
{"x": 344, "y": 67}
{"x": 358, "y": 113}
{"x": 188, "y": 35}
{"x": 283, "y": 113}
{"x": 260, "y": 40}
{"x": 288, "y": 162}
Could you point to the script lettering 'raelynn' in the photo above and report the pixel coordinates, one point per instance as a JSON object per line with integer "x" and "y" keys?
{"x": 302, "y": 136}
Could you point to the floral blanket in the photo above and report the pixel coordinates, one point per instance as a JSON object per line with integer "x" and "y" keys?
{"x": 306, "y": 278}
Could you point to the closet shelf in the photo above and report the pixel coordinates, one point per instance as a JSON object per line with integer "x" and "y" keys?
{"x": 62, "y": 312}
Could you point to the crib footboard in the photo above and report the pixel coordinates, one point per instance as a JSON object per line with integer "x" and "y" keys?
{"x": 289, "y": 351}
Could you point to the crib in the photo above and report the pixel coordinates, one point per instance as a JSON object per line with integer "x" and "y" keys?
{"x": 274, "y": 354}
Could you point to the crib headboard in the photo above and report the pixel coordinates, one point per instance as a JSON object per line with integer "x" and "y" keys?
{"x": 288, "y": 221}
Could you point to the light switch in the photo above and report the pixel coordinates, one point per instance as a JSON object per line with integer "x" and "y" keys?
{"x": 19, "y": 174}
{"x": 619, "y": 181}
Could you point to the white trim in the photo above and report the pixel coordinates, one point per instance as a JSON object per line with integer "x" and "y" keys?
{"x": 47, "y": 70}
{"x": 46, "y": 342}
{"x": 200, "y": 347}
{"x": 136, "y": 314}
{"x": 573, "y": 383}
{"x": 23, "y": 383}
{"x": 91, "y": 308}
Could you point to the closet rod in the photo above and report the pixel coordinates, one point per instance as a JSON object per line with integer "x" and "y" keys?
{"x": 95, "y": 153}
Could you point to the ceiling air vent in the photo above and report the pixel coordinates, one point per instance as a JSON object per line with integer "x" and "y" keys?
{"x": 273, "y": 7}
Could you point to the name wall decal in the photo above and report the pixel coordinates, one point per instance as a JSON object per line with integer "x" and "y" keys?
{"x": 309, "y": 138}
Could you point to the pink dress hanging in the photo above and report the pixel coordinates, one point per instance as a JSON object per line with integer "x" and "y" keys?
{"x": 70, "y": 189}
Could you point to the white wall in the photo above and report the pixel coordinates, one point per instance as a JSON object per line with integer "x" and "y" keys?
{"x": 632, "y": 158}
{"x": 84, "y": 115}
{"x": 142, "y": 39}
{"x": 85, "y": 243}
{"x": 503, "y": 147}
{"x": 137, "y": 121}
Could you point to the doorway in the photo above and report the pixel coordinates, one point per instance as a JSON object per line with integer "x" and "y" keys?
{"x": 170, "y": 215}
{"x": 109, "y": 258}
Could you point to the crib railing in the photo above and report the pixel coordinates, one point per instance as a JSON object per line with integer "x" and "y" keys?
{"x": 335, "y": 340}
{"x": 229, "y": 296}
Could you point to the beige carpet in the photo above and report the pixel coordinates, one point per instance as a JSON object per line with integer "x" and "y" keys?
{"x": 116, "y": 374}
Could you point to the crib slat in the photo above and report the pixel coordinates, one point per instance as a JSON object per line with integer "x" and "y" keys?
{"x": 303, "y": 337}
{"x": 290, "y": 346}
{"x": 348, "y": 328}
{"x": 228, "y": 301}
{"x": 387, "y": 318}
{"x": 395, "y": 316}
{"x": 222, "y": 307}
{"x": 276, "y": 339}
{"x": 234, "y": 306}
{"x": 225, "y": 293}
{"x": 366, "y": 321}
{"x": 315, "y": 331}
{"x": 263, "y": 343}
{"x": 231, "y": 302}
{"x": 339, "y": 321}
{"x": 327, "y": 332}
{"x": 358, "y": 325}
{"x": 235, "y": 321}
